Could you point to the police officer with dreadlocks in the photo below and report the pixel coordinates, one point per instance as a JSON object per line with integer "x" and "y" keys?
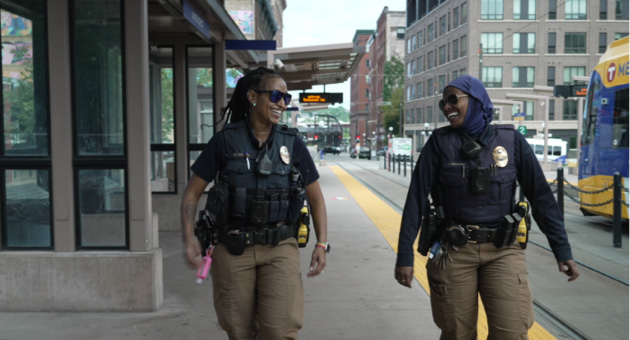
{"x": 262, "y": 174}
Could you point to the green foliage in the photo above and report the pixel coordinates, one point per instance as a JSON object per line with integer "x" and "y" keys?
{"x": 167, "y": 104}
{"x": 20, "y": 102}
{"x": 392, "y": 112}
{"x": 394, "y": 77}
{"x": 204, "y": 77}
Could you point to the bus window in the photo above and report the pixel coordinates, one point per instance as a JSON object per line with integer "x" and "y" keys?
{"x": 620, "y": 120}
{"x": 592, "y": 110}
{"x": 538, "y": 149}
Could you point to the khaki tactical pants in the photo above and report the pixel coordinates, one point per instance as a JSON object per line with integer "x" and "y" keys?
{"x": 498, "y": 275}
{"x": 259, "y": 293}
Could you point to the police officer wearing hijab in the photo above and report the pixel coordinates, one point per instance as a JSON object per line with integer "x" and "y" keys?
{"x": 470, "y": 169}
{"x": 262, "y": 172}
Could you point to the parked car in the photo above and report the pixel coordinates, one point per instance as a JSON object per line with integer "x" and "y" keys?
{"x": 382, "y": 152}
{"x": 335, "y": 150}
{"x": 365, "y": 153}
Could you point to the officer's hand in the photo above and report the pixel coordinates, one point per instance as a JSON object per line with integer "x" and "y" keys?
{"x": 404, "y": 275}
{"x": 569, "y": 268}
{"x": 318, "y": 262}
{"x": 192, "y": 252}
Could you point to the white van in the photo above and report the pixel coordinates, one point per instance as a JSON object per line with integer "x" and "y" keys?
{"x": 556, "y": 149}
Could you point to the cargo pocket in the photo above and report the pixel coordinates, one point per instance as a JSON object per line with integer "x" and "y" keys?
{"x": 525, "y": 300}
{"x": 441, "y": 304}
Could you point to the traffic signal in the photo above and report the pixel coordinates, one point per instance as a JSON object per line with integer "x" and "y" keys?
{"x": 316, "y": 137}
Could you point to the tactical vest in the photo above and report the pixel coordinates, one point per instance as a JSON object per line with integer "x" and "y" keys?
{"x": 257, "y": 200}
{"x": 460, "y": 203}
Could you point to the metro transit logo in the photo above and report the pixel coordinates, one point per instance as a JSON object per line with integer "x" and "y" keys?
{"x": 616, "y": 71}
{"x": 610, "y": 75}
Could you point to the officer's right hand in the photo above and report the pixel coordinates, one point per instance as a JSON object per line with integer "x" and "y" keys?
{"x": 404, "y": 275}
{"x": 192, "y": 252}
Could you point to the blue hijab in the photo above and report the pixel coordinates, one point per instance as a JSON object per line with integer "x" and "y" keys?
{"x": 479, "y": 112}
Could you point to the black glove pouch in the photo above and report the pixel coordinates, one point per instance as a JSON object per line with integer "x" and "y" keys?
{"x": 506, "y": 234}
{"x": 234, "y": 241}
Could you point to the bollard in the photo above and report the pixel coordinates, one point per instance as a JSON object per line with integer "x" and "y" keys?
{"x": 560, "y": 181}
{"x": 617, "y": 210}
{"x": 385, "y": 161}
{"x": 405, "y": 167}
{"x": 398, "y": 160}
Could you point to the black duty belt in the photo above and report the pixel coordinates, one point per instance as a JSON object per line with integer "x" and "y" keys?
{"x": 479, "y": 234}
{"x": 264, "y": 236}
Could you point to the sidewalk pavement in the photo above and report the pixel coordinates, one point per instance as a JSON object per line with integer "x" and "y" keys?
{"x": 355, "y": 298}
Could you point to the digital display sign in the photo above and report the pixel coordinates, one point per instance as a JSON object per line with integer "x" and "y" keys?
{"x": 327, "y": 97}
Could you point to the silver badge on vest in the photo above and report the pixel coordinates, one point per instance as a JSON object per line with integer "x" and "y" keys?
{"x": 500, "y": 156}
{"x": 284, "y": 154}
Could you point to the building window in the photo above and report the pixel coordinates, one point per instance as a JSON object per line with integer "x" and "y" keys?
{"x": 551, "y": 76}
{"x": 524, "y": 9}
{"x": 400, "y": 33}
{"x": 574, "y": 43}
{"x": 419, "y": 90}
{"x": 455, "y": 17}
{"x": 464, "y": 13}
{"x": 491, "y": 9}
{"x": 602, "y": 43}
{"x": 569, "y": 109}
{"x": 455, "y": 74}
{"x": 492, "y": 43}
{"x": 455, "y": 49}
{"x": 492, "y": 76}
{"x": 419, "y": 63}
{"x": 200, "y": 97}
{"x": 620, "y": 35}
{"x": 524, "y": 43}
{"x": 463, "y": 46}
{"x": 25, "y": 165}
{"x": 621, "y": 9}
{"x": 553, "y": 10}
{"x": 413, "y": 67}
{"x": 442, "y": 51}
{"x": 162, "y": 124}
{"x": 430, "y": 88}
{"x": 603, "y": 9}
{"x": 523, "y": 77}
{"x": 552, "y": 109}
{"x": 551, "y": 43}
{"x": 420, "y": 39}
{"x": 441, "y": 83}
{"x": 99, "y": 125}
{"x": 569, "y": 72}
{"x": 431, "y": 33}
{"x": 528, "y": 109}
{"x": 575, "y": 10}
{"x": 431, "y": 60}
{"x": 443, "y": 25}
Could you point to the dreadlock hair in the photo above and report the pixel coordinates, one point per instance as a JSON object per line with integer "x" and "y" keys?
{"x": 238, "y": 108}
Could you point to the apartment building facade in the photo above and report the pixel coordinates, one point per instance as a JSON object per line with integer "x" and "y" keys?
{"x": 520, "y": 50}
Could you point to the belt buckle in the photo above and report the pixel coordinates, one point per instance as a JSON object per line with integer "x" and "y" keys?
{"x": 470, "y": 227}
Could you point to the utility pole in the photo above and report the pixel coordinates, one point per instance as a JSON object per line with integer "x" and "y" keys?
{"x": 480, "y": 62}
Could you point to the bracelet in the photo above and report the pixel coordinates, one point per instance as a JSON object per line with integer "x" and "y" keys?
{"x": 323, "y": 245}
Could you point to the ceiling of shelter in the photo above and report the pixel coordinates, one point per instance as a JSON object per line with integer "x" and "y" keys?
{"x": 304, "y": 67}
{"x": 301, "y": 67}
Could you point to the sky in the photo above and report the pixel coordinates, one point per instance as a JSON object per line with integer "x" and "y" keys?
{"x": 324, "y": 22}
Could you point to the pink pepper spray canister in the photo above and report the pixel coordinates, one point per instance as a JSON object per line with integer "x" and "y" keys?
{"x": 204, "y": 268}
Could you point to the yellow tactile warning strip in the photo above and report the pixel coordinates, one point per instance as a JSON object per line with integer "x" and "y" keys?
{"x": 387, "y": 221}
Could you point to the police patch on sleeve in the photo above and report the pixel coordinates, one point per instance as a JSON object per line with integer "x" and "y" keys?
{"x": 500, "y": 156}
{"x": 284, "y": 154}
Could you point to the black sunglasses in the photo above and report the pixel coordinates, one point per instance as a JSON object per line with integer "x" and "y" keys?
{"x": 276, "y": 95}
{"x": 450, "y": 99}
